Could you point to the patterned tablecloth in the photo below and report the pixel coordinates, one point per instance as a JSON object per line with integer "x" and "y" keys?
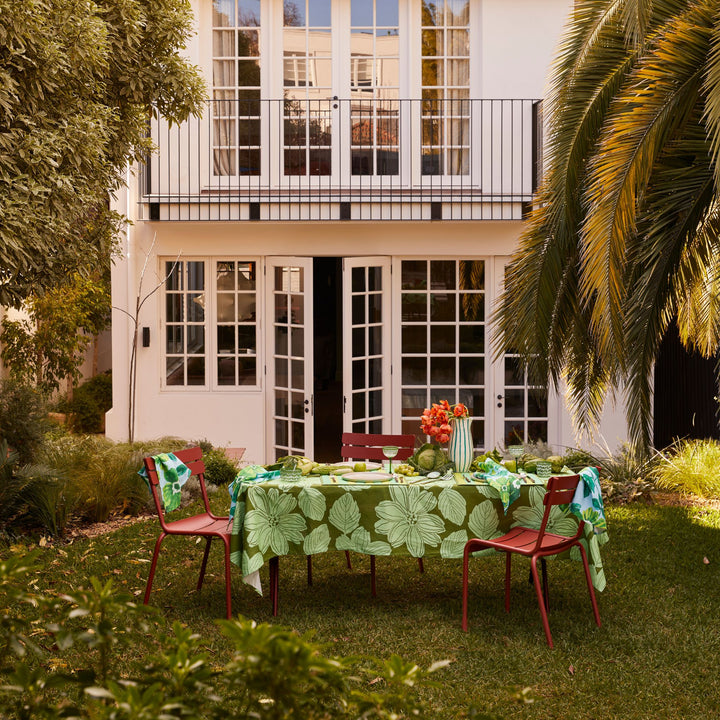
{"x": 419, "y": 519}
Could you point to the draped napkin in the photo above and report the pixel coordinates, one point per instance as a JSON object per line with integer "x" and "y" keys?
{"x": 172, "y": 475}
{"x": 587, "y": 503}
{"x": 499, "y": 477}
{"x": 249, "y": 474}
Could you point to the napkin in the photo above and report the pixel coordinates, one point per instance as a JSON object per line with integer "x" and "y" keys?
{"x": 500, "y": 478}
{"x": 249, "y": 474}
{"x": 587, "y": 503}
{"x": 172, "y": 475}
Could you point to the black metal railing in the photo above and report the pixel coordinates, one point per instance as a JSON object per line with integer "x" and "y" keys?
{"x": 333, "y": 159}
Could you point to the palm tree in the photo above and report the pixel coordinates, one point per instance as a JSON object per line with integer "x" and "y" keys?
{"x": 624, "y": 237}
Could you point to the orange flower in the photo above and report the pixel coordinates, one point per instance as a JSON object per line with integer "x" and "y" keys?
{"x": 436, "y": 421}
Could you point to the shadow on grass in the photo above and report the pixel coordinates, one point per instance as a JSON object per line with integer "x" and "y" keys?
{"x": 652, "y": 658}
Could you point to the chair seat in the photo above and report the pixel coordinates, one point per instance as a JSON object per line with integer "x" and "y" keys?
{"x": 523, "y": 541}
{"x": 202, "y": 524}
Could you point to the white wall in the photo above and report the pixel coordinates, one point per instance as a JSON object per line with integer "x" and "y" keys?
{"x": 519, "y": 40}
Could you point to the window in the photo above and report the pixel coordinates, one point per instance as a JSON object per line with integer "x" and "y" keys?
{"x": 185, "y": 351}
{"x": 215, "y": 320}
{"x": 375, "y": 86}
{"x": 446, "y": 87}
{"x": 236, "y": 87}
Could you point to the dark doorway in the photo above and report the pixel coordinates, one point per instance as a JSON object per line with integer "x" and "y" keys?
{"x": 685, "y": 393}
{"x": 327, "y": 320}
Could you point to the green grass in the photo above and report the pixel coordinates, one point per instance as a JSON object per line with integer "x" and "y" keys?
{"x": 653, "y": 657}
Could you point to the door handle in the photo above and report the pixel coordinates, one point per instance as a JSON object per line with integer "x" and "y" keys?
{"x": 499, "y": 397}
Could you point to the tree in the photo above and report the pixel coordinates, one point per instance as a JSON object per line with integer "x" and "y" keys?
{"x": 49, "y": 346}
{"x": 78, "y": 81}
{"x": 624, "y": 236}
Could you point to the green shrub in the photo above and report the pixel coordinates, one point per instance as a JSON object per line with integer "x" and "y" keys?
{"x": 273, "y": 672}
{"x": 23, "y": 420}
{"x": 89, "y": 404}
{"x": 690, "y": 466}
{"x": 102, "y": 476}
{"x": 219, "y": 468}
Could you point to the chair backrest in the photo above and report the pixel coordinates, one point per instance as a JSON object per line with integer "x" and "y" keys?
{"x": 560, "y": 491}
{"x": 364, "y": 446}
{"x": 192, "y": 457}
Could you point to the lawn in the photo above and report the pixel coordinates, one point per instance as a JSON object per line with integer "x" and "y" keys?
{"x": 653, "y": 657}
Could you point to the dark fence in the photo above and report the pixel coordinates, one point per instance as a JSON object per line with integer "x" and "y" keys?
{"x": 335, "y": 159}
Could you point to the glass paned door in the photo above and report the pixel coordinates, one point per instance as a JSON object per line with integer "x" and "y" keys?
{"x": 290, "y": 356}
{"x": 366, "y": 343}
{"x": 521, "y": 407}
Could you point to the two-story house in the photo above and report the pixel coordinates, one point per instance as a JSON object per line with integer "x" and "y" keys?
{"x": 334, "y": 228}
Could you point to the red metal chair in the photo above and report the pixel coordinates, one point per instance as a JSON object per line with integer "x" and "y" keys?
{"x": 368, "y": 446}
{"x": 204, "y": 525}
{"x": 535, "y": 544}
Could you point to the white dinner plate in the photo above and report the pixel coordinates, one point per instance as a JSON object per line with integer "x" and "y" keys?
{"x": 367, "y": 477}
{"x": 368, "y": 465}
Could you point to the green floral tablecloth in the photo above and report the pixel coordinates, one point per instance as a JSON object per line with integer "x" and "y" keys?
{"x": 420, "y": 519}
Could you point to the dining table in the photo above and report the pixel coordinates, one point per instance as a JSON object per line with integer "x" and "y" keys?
{"x": 387, "y": 514}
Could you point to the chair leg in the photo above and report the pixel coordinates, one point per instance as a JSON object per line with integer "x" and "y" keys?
{"x": 541, "y": 600}
{"x": 546, "y": 594}
{"x": 508, "y": 565}
{"x": 373, "y": 589}
{"x": 591, "y": 590}
{"x": 204, "y": 563}
{"x": 228, "y": 595}
{"x": 421, "y": 565}
{"x": 153, "y": 566}
{"x": 347, "y": 559}
{"x": 274, "y": 567}
{"x": 309, "y": 569}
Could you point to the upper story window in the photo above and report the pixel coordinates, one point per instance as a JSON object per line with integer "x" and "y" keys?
{"x": 446, "y": 87}
{"x": 327, "y": 50}
{"x": 236, "y": 87}
{"x": 211, "y": 323}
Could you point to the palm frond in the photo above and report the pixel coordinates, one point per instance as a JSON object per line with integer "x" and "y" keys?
{"x": 659, "y": 95}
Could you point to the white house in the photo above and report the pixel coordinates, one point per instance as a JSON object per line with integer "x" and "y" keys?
{"x": 336, "y": 226}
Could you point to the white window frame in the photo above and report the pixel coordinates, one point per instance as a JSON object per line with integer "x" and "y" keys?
{"x": 211, "y": 346}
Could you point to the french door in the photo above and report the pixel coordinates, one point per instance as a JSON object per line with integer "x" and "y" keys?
{"x": 340, "y": 89}
{"x": 289, "y": 369}
{"x": 521, "y": 407}
{"x": 366, "y": 345}
{"x": 414, "y": 331}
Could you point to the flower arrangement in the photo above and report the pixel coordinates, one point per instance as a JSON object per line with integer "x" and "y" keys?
{"x": 435, "y": 421}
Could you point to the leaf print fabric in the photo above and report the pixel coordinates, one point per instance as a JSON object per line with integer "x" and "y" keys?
{"x": 500, "y": 478}
{"x": 406, "y": 519}
{"x": 587, "y": 502}
{"x": 436, "y": 519}
{"x": 172, "y": 475}
{"x": 272, "y": 524}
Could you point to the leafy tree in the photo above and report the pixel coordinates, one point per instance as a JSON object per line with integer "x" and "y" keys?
{"x": 49, "y": 347}
{"x": 624, "y": 237}
{"x": 78, "y": 80}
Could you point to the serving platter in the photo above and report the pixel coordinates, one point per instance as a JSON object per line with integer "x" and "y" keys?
{"x": 349, "y": 464}
{"x": 367, "y": 477}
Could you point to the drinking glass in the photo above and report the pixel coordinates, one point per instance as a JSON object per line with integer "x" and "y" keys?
{"x": 517, "y": 452}
{"x": 390, "y": 451}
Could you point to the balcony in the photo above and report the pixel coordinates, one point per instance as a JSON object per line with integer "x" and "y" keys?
{"x": 334, "y": 159}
